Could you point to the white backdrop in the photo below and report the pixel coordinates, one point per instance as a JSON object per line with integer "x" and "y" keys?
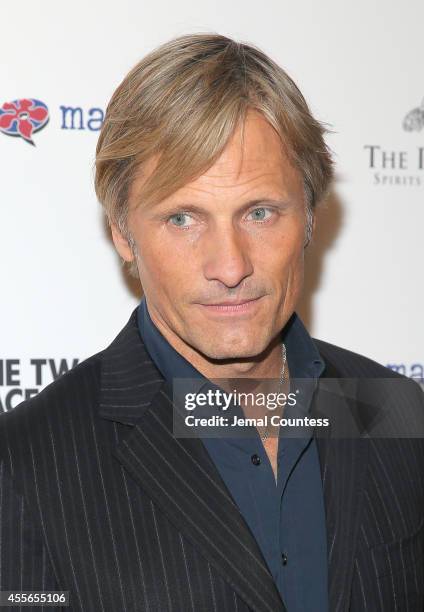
{"x": 359, "y": 66}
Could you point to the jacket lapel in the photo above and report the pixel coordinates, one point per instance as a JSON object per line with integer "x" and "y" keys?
{"x": 178, "y": 473}
{"x": 343, "y": 453}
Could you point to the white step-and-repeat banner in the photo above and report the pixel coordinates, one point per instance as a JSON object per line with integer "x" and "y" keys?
{"x": 359, "y": 65}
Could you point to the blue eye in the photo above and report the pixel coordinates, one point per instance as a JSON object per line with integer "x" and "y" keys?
{"x": 179, "y": 219}
{"x": 259, "y": 214}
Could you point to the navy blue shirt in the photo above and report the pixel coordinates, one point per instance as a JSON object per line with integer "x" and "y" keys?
{"x": 286, "y": 517}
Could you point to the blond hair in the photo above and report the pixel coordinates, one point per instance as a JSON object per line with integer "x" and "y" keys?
{"x": 182, "y": 102}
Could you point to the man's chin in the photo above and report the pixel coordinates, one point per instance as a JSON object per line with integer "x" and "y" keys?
{"x": 231, "y": 350}
{"x": 238, "y": 340}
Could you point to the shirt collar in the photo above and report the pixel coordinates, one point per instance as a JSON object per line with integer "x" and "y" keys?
{"x": 302, "y": 355}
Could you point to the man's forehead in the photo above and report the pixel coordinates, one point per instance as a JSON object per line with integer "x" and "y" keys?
{"x": 252, "y": 172}
{"x": 259, "y": 179}
{"x": 250, "y": 166}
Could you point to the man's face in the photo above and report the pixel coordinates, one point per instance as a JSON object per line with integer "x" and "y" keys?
{"x": 221, "y": 259}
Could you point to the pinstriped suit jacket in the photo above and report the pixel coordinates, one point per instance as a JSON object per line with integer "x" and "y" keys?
{"x": 98, "y": 498}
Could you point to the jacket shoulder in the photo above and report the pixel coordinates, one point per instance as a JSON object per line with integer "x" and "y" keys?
{"x": 350, "y": 365}
{"x": 74, "y": 391}
{"x": 354, "y": 365}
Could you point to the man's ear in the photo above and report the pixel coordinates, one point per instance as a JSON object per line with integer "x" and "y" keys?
{"x": 121, "y": 243}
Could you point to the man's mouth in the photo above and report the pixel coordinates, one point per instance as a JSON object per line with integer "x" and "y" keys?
{"x": 232, "y": 306}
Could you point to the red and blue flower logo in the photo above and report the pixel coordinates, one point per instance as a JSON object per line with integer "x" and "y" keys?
{"x": 23, "y": 118}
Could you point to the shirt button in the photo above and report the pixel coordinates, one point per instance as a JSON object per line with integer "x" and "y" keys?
{"x": 284, "y": 559}
{"x": 255, "y": 459}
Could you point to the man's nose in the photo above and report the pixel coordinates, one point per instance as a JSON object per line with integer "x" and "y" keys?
{"x": 226, "y": 256}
